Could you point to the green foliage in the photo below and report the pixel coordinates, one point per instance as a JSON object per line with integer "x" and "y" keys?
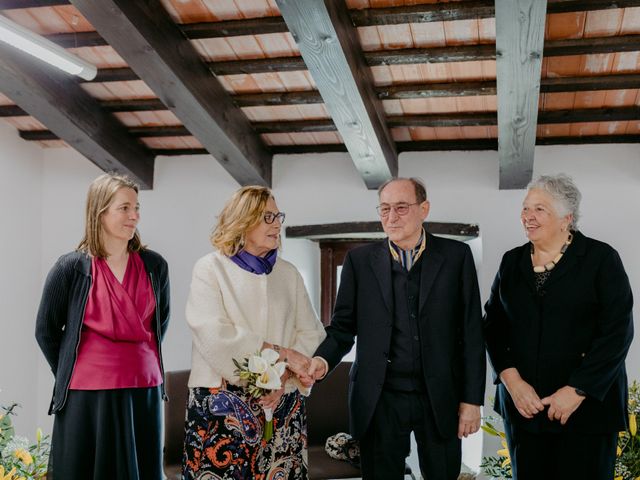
{"x": 627, "y": 463}
{"x": 497, "y": 467}
{"x": 492, "y": 468}
{"x": 21, "y": 459}
{"x": 248, "y": 378}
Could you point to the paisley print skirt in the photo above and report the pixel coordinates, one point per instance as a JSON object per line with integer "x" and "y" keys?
{"x": 223, "y": 438}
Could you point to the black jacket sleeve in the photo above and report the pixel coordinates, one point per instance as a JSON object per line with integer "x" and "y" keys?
{"x": 343, "y": 328}
{"x": 473, "y": 353}
{"x": 165, "y": 298}
{"x": 604, "y": 359}
{"x": 496, "y": 329}
{"x": 52, "y": 313}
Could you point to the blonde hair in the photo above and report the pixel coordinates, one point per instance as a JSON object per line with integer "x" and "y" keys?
{"x": 242, "y": 212}
{"x": 99, "y": 199}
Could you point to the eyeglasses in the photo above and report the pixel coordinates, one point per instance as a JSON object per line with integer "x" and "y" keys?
{"x": 400, "y": 208}
{"x": 270, "y": 217}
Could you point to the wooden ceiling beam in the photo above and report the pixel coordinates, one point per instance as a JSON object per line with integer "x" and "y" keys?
{"x": 57, "y": 100}
{"x": 471, "y": 144}
{"x": 11, "y": 4}
{"x": 278, "y": 98}
{"x": 154, "y": 47}
{"x": 303, "y": 149}
{"x": 475, "y": 119}
{"x": 520, "y": 26}
{"x": 451, "y": 11}
{"x": 12, "y": 111}
{"x": 393, "y": 92}
{"x": 458, "y": 53}
{"x": 233, "y": 28}
{"x": 432, "y": 12}
{"x": 553, "y": 48}
{"x": 329, "y": 44}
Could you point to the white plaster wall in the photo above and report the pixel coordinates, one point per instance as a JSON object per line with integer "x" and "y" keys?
{"x": 20, "y": 273}
{"x": 463, "y": 187}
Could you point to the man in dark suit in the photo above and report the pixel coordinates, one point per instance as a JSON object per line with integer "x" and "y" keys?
{"x": 412, "y": 301}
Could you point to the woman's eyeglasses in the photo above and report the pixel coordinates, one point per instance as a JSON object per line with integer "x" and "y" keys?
{"x": 270, "y": 217}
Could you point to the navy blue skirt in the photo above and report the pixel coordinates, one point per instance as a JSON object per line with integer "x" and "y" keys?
{"x": 108, "y": 435}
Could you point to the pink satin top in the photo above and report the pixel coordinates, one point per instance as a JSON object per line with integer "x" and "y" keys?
{"x": 118, "y": 347}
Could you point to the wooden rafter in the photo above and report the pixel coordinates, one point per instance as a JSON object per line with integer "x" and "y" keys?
{"x": 55, "y": 99}
{"x": 424, "y": 13}
{"x": 397, "y": 92}
{"x": 520, "y": 28}
{"x": 331, "y": 49}
{"x": 471, "y": 144}
{"x": 154, "y": 47}
{"x": 553, "y": 48}
{"x": 476, "y": 119}
{"x": 10, "y": 4}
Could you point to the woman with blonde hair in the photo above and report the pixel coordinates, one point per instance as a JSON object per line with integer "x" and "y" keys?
{"x": 102, "y": 316}
{"x": 243, "y": 299}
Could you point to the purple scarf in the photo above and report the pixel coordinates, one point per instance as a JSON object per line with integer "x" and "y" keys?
{"x": 253, "y": 264}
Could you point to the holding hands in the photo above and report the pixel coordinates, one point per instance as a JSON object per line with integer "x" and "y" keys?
{"x": 308, "y": 370}
{"x": 298, "y": 364}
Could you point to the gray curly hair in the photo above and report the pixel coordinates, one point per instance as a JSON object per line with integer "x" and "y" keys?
{"x": 565, "y": 194}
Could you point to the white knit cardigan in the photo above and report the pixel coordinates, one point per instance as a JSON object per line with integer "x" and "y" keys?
{"x": 231, "y": 312}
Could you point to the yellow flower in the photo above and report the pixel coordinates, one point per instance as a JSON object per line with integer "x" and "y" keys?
{"x": 24, "y": 456}
{"x": 507, "y": 461}
{"x": 619, "y": 478}
{"x": 618, "y": 451}
{"x": 633, "y": 425}
{"x": 8, "y": 475}
{"x": 504, "y": 452}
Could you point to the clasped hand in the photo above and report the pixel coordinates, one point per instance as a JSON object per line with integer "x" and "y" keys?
{"x": 561, "y": 404}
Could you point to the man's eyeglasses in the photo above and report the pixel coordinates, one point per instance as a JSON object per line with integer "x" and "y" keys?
{"x": 400, "y": 208}
{"x": 270, "y": 217}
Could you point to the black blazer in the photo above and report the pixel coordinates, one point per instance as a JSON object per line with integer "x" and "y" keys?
{"x": 450, "y": 326}
{"x": 576, "y": 332}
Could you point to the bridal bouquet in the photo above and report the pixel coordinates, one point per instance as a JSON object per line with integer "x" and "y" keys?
{"x": 260, "y": 374}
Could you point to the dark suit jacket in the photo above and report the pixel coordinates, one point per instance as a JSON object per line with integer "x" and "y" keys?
{"x": 576, "y": 332}
{"x": 450, "y": 326}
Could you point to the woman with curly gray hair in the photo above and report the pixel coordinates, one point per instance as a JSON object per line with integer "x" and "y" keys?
{"x": 558, "y": 327}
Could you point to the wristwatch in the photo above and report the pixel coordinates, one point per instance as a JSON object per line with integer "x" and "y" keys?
{"x": 579, "y": 392}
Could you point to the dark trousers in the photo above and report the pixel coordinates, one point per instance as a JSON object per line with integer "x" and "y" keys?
{"x": 386, "y": 443}
{"x": 560, "y": 455}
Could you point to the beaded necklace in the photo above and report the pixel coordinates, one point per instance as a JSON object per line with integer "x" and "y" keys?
{"x": 551, "y": 265}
